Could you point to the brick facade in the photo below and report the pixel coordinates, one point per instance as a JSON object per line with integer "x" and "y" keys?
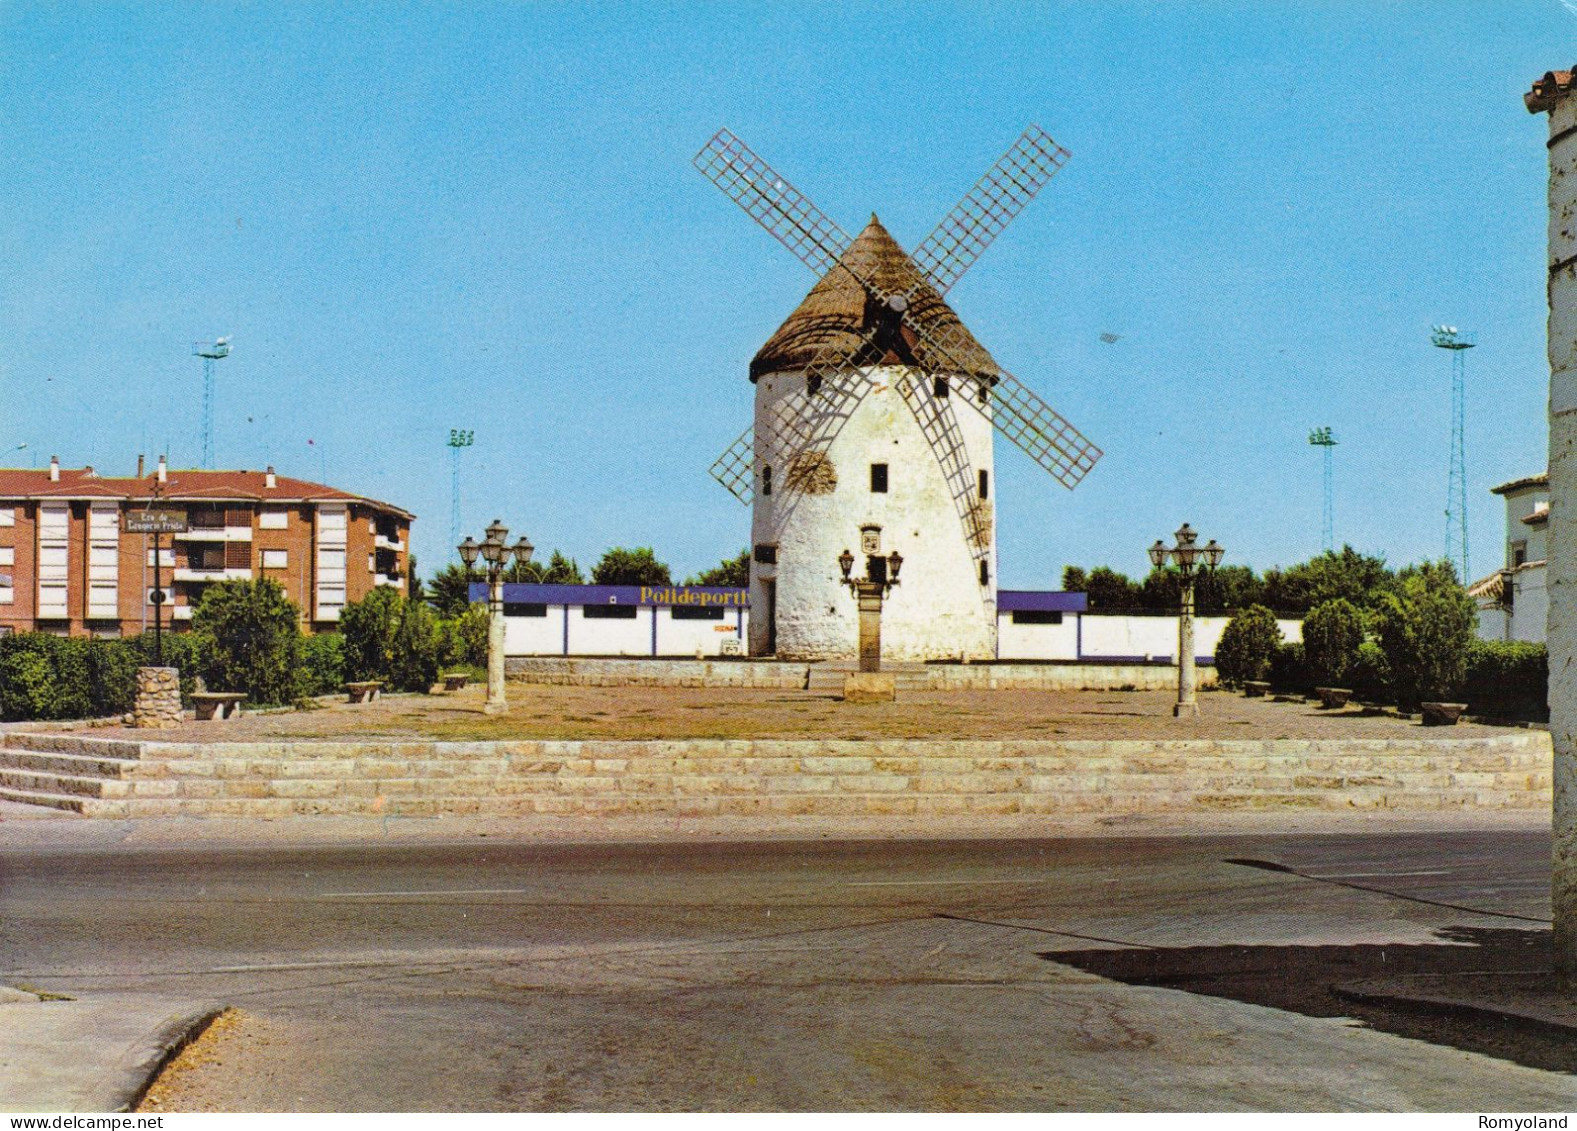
{"x": 69, "y": 573}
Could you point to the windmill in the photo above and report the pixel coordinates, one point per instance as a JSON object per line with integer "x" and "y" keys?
{"x": 875, "y": 330}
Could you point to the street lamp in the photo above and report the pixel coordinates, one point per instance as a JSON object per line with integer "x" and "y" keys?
{"x": 881, "y": 574}
{"x": 496, "y": 552}
{"x": 1189, "y": 559}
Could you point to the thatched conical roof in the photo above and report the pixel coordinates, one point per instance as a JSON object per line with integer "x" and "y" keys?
{"x": 839, "y": 311}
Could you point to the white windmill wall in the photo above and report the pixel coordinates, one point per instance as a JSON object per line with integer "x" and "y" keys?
{"x": 939, "y": 609}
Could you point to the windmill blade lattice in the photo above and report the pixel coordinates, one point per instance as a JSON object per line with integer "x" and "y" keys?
{"x": 939, "y": 424}
{"x": 989, "y": 207}
{"x": 735, "y": 468}
{"x": 772, "y": 202}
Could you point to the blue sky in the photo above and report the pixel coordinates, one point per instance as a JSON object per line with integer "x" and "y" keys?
{"x": 417, "y": 218}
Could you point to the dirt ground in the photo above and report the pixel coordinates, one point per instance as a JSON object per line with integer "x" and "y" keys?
{"x": 554, "y": 712}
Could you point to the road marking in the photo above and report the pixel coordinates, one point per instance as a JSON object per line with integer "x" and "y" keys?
{"x": 1373, "y": 875}
{"x": 435, "y": 891}
{"x": 926, "y": 883}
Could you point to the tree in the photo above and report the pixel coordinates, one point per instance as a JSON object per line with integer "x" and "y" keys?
{"x": 253, "y": 640}
{"x": 1358, "y": 578}
{"x": 619, "y": 566}
{"x": 449, "y": 590}
{"x": 1332, "y": 634}
{"x": 730, "y": 573}
{"x": 1112, "y": 592}
{"x": 1229, "y": 588}
{"x": 1425, "y": 625}
{"x": 1073, "y": 579}
{"x": 1248, "y": 644}
{"x": 559, "y": 570}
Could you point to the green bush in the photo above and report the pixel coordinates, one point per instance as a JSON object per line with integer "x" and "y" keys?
{"x": 112, "y": 676}
{"x": 1425, "y": 626}
{"x": 1507, "y": 680}
{"x": 391, "y": 638}
{"x": 323, "y": 664}
{"x": 1332, "y": 634}
{"x": 1289, "y": 668}
{"x": 1247, "y": 646}
{"x": 1370, "y": 677}
{"x": 253, "y": 639}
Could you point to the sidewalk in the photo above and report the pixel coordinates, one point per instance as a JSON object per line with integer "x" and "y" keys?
{"x": 94, "y": 1054}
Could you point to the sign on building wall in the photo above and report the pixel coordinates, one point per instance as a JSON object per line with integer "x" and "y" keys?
{"x": 152, "y": 521}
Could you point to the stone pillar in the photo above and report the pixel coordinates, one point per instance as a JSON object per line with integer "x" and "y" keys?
{"x": 870, "y": 601}
{"x": 1552, "y": 95}
{"x": 158, "y": 698}
{"x": 496, "y": 703}
{"x": 1187, "y": 705}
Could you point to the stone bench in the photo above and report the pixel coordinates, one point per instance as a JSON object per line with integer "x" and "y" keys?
{"x": 363, "y": 691}
{"x": 1442, "y": 714}
{"x": 1255, "y": 688}
{"x": 454, "y": 681}
{"x": 217, "y": 704}
{"x": 1333, "y": 698}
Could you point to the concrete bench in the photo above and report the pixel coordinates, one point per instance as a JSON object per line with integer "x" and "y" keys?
{"x": 1255, "y": 688}
{"x": 1333, "y": 698}
{"x": 1442, "y": 714}
{"x": 454, "y": 681}
{"x": 363, "y": 691}
{"x": 217, "y": 704}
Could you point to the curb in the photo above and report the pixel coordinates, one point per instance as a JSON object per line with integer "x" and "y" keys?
{"x": 163, "y": 1045}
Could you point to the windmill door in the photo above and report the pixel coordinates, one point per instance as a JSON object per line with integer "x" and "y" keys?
{"x": 769, "y": 590}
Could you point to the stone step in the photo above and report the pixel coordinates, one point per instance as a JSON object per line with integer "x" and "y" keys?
{"x": 828, "y": 678}
{"x": 70, "y": 784}
{"x": 72, "y": 804}
{"x": 72, "y": 744}
{"x": 78, "y": 765}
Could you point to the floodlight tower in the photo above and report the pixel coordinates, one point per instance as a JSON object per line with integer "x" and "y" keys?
{"x": 1458, "y": 342}
{"x": 1325, "y": 438}
{"x": 459, "y": 438}
{"x": 210, "y": 352}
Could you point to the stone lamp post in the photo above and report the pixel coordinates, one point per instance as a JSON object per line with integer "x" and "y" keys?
{"x": 1190, "y": 560}
{"x": 496, "y": 553}
{"x": 881, "y": 574}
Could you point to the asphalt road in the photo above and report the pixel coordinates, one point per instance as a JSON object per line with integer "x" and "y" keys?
{"x": 853, "y": 975}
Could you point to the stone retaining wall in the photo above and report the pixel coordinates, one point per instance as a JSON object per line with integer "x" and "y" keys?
{"x": 782, "y": 674}
{"x": 735, "y": 778}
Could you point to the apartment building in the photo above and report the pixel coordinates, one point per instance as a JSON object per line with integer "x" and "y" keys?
{"x": 67, "y": 564}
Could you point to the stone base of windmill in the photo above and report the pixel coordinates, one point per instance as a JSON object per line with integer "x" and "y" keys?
{"x": 869, "y": 687}
{"x": 158, "y": 703}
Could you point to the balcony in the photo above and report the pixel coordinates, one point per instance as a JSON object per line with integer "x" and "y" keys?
{"x": 180, "y": 612}
{"x": 187, "y": 574}
{"x": 385, "y": 580}
{"x": 381, "y": 543}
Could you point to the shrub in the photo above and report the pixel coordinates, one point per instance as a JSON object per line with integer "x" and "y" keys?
{"x": 1332, "y": 633}
{"x": 1370, "y": 677}
{"x": 28, "y": 687}
{"x": 391, "y": 638}
{"x": 1247, "y": 646}
{"x": 322, "y": 663}
{"x": 112, "y": 676}
{"x": 1425, "y": 626}
{"x": 1289, "y": 668}
{"x": 253, "y": 639}
{"x": 418, "y": 644}
{"x": 1507, "y": 679}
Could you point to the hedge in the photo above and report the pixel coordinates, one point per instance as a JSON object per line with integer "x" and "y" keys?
{"x": 1507, "y": 680}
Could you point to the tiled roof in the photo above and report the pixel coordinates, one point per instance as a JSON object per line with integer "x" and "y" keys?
{"x": 1542, "y": 479}
{"x": 182, "y": 485}
{"x": 1547, "y": 91}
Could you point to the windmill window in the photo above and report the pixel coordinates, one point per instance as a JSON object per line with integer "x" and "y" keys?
{"x": 813, "y": 384}
{"x": 985, "y": 573}
{"x": 939, "y": 386}
{"x": 879, "y": 478}
{"x": 766, "y": 479}
{"x": 985, "y": 483}
{"x": 1519, "y": 553}
{"x": 766, "y": 553}
{"x": 982, "y": 391}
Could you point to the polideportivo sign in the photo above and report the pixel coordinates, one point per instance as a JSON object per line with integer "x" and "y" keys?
{"x": 693, "y": 596}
